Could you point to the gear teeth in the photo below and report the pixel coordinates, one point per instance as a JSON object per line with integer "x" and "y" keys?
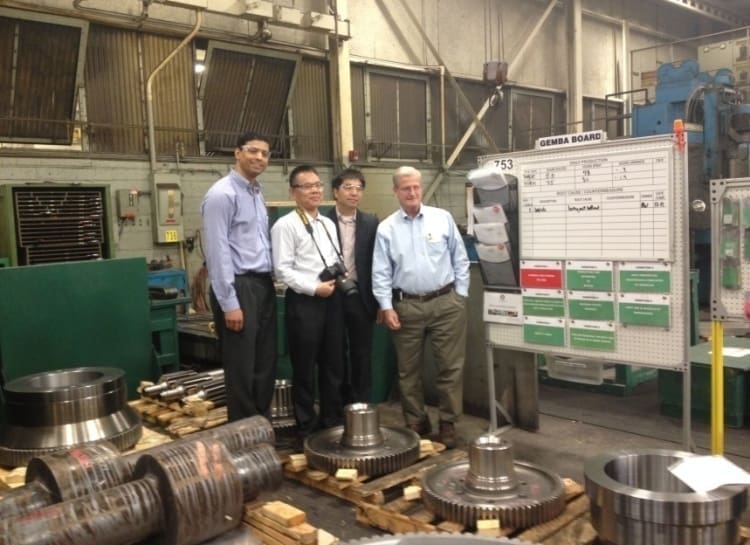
{"x": 400, "y": 448}
{"x": 516, "y": 512}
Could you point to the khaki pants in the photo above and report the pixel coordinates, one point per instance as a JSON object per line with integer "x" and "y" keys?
{"x": 443, "y": 321}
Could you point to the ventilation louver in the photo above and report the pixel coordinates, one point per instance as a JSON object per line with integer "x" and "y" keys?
{"x": 59, "y": 224}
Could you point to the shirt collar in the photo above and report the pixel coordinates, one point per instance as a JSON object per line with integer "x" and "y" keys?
{"x": 406, "y": 216}
{"x": 343, "y": 218}
{"x": 242, "y": 182}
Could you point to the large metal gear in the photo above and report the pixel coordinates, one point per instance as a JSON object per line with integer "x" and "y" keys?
{"x": 436, "y": 539}
{"x": 58, "y": 410}
{"x": 361, "y": 443}
{"x": 491, "y": 485}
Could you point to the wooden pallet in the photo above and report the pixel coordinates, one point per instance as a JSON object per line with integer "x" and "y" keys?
{"x": 373, "y": 490}
{"x": 401, "y": 515}
{"x": 278, "y": 523}
{"x": 179, "y": 420}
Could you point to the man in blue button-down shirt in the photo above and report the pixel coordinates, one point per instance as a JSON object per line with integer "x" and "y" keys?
{"x": 243, "y": 298}
{"x": 420, "y": 278}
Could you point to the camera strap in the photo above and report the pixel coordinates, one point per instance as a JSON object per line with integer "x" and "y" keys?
{"x": 309, "y": 228}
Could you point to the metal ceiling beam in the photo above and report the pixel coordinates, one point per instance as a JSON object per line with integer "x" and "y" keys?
{"x": 477, "y": 122}
{"x": 712, "y": 12}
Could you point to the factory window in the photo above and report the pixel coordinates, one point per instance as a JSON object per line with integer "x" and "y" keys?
{"x": 390, "y": 111}
{"x": 533, "y": 114}
{"x": 309, "y": 119}
{"x": 598, "y": 115}
{"x": 118, "y": 64}
{"x": 458, "y": 119}
{"x": 40, "y": 61}
{"x": 245, "y": 88}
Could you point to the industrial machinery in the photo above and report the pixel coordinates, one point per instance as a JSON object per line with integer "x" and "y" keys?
{"x": 186, "y": 492}
{"x": 716, "y": 119}
{"x": 71, "y": 474}
{"x": 62, "y": 409}
{"x": 635, "y": 499}
{"x": 282, "y": 408}
{"x": 362, "y": 444}
{"x": 492, "y": 485}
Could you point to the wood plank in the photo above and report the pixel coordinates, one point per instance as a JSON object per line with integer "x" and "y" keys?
{"x": 398, "y": 477}
{"x": 304, "y": 533}
{"x": 397, "y": 523}
{"x": 283, "y": 513}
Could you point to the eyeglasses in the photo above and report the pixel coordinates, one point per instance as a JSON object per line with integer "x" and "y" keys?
{"x": 253, "y": 150}
{"x": 348, "y": 187}
{"x": 308, "y": 187}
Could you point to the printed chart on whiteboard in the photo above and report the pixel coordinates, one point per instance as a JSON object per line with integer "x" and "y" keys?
{"x": 616, "y": 206}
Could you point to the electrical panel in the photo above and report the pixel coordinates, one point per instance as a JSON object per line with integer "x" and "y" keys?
{"x": 166, "y": 208}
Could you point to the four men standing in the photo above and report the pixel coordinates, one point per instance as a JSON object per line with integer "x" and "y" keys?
{"x": 338, "y": 269}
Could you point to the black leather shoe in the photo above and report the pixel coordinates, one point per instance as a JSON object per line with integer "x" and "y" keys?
{"x": 422, "y": 428}
{"x": 447, "y": 434}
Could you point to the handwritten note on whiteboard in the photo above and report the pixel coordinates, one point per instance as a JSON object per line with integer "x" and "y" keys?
{"x": 597, "y": 207}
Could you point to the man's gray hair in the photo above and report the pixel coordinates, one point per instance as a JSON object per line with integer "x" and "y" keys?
{"x": 403, "y": 172}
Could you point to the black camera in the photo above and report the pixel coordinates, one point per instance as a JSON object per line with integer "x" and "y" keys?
{"x": 337, "y": 272}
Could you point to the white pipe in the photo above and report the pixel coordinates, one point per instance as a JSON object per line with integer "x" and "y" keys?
{"x": 150, "y": 94}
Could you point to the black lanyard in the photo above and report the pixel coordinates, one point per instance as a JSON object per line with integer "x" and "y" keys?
{"x": 308, "y": 226}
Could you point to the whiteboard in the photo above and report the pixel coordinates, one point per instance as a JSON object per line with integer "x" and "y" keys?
{"x": 587, "y": 205}
{"x": 624, "y": 201}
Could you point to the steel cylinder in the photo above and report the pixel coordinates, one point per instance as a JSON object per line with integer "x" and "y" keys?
{"x": 260, "y": 469}
{"x": 635, "y": 499}
{"x": 199, "y": 487}
{"x": 67, "y": 475}
{"x": 128, "y": 513}
{"x": 58, "y": 410}
{"x": 187, "y": 493}
{"x": 361, "y": 426}
{"x": 491, "y": 465}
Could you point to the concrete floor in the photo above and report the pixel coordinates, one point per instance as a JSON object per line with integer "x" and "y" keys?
{"x": 573, "y": 425}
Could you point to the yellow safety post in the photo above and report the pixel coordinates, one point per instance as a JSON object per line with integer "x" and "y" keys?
{"x": 717, "y": 387}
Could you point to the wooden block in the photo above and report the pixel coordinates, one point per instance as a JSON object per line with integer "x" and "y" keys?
{"x": 346, "y": 474}
{"x": 303, "y": 534}
{"x": 426, "y": 446}
{"x": 15, "y": 477}
{"x": 490, "y": 527}
{"x": 297, "y": 461}
{"x": 412, "y": 492}
{"x": 316, "y": 475}
{"x": 324, "y": 538}
{"x": 283, "y": 513}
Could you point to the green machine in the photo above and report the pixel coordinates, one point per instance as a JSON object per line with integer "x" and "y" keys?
{"x": 86, "y": 313}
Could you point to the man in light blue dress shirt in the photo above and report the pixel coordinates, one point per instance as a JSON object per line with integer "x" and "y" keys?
{"x": 243, "y": 297}
{"x": 420, "y": 278}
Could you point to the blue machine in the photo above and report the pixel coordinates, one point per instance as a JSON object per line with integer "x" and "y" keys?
{"x": 717, "y": 124}
{"x": 706, "y": 103}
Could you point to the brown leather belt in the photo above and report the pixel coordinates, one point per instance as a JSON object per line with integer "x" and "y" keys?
{"x": 399, "y": 295}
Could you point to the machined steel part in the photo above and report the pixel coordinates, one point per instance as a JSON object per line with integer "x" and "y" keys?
{"x": 492, "y": 485}
{"x": 58, "y": 410}
{"x": 363, "y": 444}
{"x": 63, "y": 476}
{"x": 282, "y": 408}
{"x": 635, "y": 499}
{"x": 436, "y": 539}
{"x": 187, "y": 493}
